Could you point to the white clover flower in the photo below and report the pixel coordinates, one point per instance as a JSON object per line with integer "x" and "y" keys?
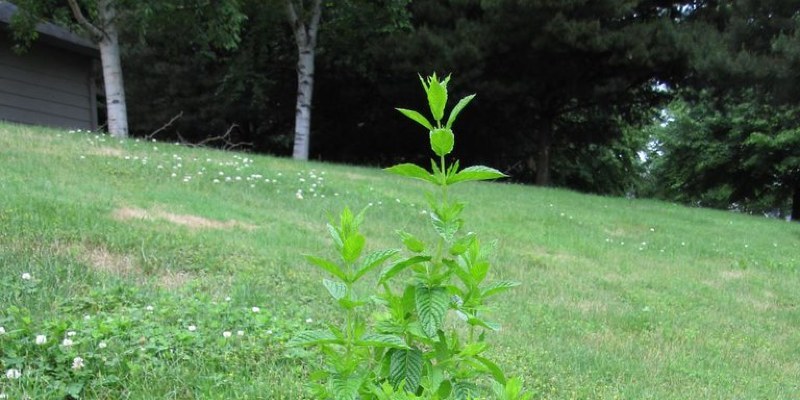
{"x": 256, "y": 309}
{"x": 13, "y": 373}
{"x": 149, "y": 308}
{"x": 70, "y": 333}
{"x": 227, "y": 298}
{"x": 41, "y": 339}
{"x": 2, "y": 330}
{"x": 269, "y": 331}
{"x": 239, "y": 333}
{"x": 299, "y": 195}
{"x": 192, "y": 328}
{"x": 226, "y": 334}
{"x": 309, "y": 320}
{"x": 77, "y": 363}
{"x": 102, "y": 345}
{"x": 67, "y": 342}
{"x": 26, "y": 276}
{"x": 87, "y": 317}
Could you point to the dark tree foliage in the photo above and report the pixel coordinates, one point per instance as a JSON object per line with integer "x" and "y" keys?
{"x": 735, "y": 141}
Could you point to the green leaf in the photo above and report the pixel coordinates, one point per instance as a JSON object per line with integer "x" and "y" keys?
{"x": 353, "y": 246}
{"x": 337, "y": 238}
{"x": 310, "y": 338}
{"x": 497, "y": 287}
{"x": 475, "y": 321}
{"x": 432, "y": 304}
{"x": 373, "y": 261}
{"x": 442, "y": 141}
{"x": 457, "y": 109}
{"x": 400, "y": 266}
{"x": 478, "y": 270}
{"x": 329, "y": 266}
{"x": 412, "y": 171}
{"x": 415, "y": 116}
{"x": 445, "y": 228}
{"x": 345, "y": 387}
{"x": 473, "y": 349}
{"x": 411, "y": 242}
{"x": 462, "y": 245}
{"x": 337, "y": 289}
{"x": 382, "y": 340}
{"x": 464, "y": 390}
{"x": 475, "y": 173}
{"x": 437, "y": 96}
{"x": 405, "y": 366}
{"x": 495, "y": 370}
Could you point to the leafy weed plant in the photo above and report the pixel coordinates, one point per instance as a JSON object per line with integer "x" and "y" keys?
{"x": 408, "y": 349}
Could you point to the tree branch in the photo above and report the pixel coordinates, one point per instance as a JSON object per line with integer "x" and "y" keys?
{"x": 165, "y": 126}
{"x": 298, "y": 26}
{"x": 78, "y": 14}
{"x": 313, "y": 26}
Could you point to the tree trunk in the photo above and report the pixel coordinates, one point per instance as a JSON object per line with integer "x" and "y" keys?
{"x": 305, "y": 34}
{"x": 305, "y": 90}
{"x": 543, "y": 142}
{"x": 796, "y": 203}
{"x": 112, "y": 72}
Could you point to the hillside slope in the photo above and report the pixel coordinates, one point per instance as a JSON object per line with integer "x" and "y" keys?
{"x": 620, "y": 298}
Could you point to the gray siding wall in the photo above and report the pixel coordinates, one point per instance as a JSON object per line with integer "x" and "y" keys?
{"x": 46, "y": 86}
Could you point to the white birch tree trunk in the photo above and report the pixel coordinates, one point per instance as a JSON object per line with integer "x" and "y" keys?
{"x": 306, "y": 37}
{"x": 108, "y": 40}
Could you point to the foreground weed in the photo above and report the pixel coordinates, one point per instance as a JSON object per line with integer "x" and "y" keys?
{"x": 408, "y": 349}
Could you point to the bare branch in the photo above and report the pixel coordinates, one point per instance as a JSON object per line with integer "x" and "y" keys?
{"x": 165, "y": 126}
{"x": 225, "y": 138}
{"x": 78, "y": 14}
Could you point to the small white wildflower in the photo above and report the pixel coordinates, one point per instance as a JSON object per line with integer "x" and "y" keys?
{"x": 216, "y": 180}
{"x": 87, "y": 317}
{"x": 228, "y": 298}
{"x": 102, "y": 345}
{"x": 174, "y": 175}
{"x": 299, "y": 195}
{"x": 13, "y": 373}
{"x": 71, "y": 333}
{"x": 41, "y": 339}
{"x": 309, "y": 320}
{"x": 192, "y": 328}
{"x": 269, "y": 331}
{"x": 77, "y": 363}
{"x": 256, "y": 309}
{"x": 83, "y": 157}
{"x": 2, "y": 330}
{"x": 239, "y": 333}
{"x": 26, "y": 276}
{"x": 3, "y": 396}
{"x": 149, "y": 308}
{"x": 226, "y": 334}
{"x": 67, "y": 342}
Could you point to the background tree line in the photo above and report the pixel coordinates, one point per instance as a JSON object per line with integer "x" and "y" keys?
{"x": 692, "y": 101}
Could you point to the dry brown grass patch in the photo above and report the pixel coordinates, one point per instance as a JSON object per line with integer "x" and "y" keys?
{"x": 190, "y": 221}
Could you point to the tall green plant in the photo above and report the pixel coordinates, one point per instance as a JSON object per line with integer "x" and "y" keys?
{"x": 429, "y": 341}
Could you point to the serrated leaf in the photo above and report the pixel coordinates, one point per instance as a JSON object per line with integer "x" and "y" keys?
{"x": 463, "y": 390}
{"x": 493, "y": 369}
{"x": 445, "y": 229}
{"x": 457, "y": 109}
{"x": 400, "y": 266}
{"x": 310, "y": 338}
{"x": 329, "y": 266}
{"x": 337, "y": 238}
{"x": 382, "y": 340}
{"x": 497, "y": 287}
{"x": 405, "y": 366}
{"x": 442, "y": 141}
{"x": 337, "y": 289}
{"x": 417, "y": 117}
{"x": 353, "y": 246}
{"x": 437, "y": 96}
{"x": 374, "y": 260}
{"x": 412, "y": 171}
{"x": 432, "y": 304}
{"x": 475, "y": 173}
{"x": 345, "y": 387}
{"x": 411, "y": 242}
{"x": 478, "y": 270}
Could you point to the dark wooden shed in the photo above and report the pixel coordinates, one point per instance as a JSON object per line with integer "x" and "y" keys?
{"x": 52, "y": 83}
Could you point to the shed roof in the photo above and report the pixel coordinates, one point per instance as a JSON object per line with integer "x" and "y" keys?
{"x": 51, "y": 33}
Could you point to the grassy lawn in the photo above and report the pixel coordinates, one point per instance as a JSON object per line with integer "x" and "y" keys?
{"x": 150, "y": 252}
